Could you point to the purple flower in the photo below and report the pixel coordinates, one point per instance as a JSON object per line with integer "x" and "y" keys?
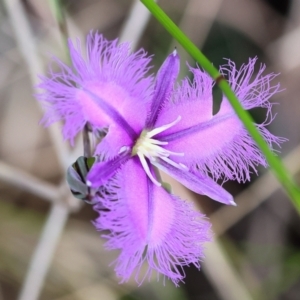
{"x": 156, "y": 126}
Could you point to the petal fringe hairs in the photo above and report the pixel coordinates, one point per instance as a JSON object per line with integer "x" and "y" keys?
{"x": 152, "y": 123}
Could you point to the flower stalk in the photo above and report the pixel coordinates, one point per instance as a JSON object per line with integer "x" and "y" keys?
{"x": 275, "y": 163}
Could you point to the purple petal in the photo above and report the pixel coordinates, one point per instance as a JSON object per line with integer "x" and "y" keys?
{"x": 198, "y": 183}
{"x": 252, "y": 89}
{"x": 218, "y": 144}
{"x": 110, "y": 112}
{"x": 101, "y": 172}
{"x": 149, "y": 225}
{"x": 111, "y": 72}
{"x": 164, "y": 84}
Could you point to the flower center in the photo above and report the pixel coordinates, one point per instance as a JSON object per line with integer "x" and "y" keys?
{"x": 148, "y": 147}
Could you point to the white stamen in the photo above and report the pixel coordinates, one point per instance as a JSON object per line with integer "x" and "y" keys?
{"x": 162, "y": 128}
{"x": 147, "y": 170}
{"x": 175, "y": 52}
{"x": 171, "y": 162}
{"x": 156, "y": 142}
{"x": 148, "y": 147}
{"x": 174, "y": 153}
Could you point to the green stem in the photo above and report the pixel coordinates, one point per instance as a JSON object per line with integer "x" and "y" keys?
{"x": 59, "y": 15}
{"x": 275, "y": 163}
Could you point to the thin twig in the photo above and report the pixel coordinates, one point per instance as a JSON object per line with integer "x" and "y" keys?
{"x": 222, "y": 275}
{"x": 43, "y": 254}
{"x": 28, "y": 182}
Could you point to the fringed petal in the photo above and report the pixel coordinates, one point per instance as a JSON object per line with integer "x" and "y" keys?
{"x": 219, "y": 144}
{"x": 149, "y": 225}
{"x": 252, "y": 89}
{"x": 109, "y": 71}
{"x": 197, "y": 182}
{"x": 164, "y": 86}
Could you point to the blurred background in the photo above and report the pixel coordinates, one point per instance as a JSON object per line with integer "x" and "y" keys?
{"x": 48, "y": 247}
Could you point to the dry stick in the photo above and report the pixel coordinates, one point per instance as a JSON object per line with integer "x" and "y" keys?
{"x": 28, "y": 182}
{"x": 27, "y": 45}
{"x": 222, "y": 275}
{"x": 285, "y": 50}
{"x": 44, "y": 252}
{"x": 58, "y": 215}
{"x": 130, "y": 31}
